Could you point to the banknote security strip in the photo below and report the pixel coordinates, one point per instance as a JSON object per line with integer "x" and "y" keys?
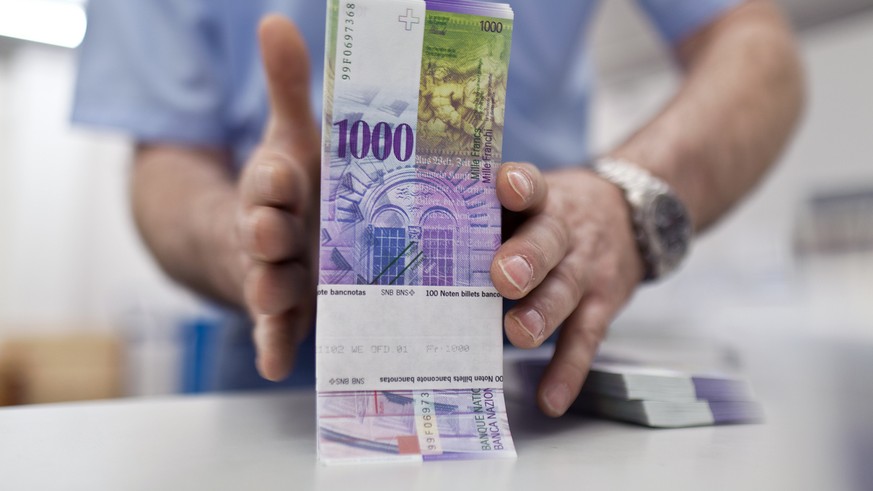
{"x": 409, "y": 325}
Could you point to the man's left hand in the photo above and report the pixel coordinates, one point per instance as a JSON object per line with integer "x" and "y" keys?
{"x": 573, "y": 260}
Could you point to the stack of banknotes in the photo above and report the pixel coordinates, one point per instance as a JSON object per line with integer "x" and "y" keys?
{"x": 625, "y": 389}
{"x": 408, "y": 332}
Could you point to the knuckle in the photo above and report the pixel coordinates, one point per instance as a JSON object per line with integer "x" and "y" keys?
{"x": 273, "y": 235}
{"x": 556, "y": 302}
{"x": 261, "y": 234}
{"x": 576, "y": 367}
{"x": 571, "y": 287}
{"x": 254, "y": 288}
{"x": 556, "y": 229}
{"x": 284, "y": 179}
{"x": 538, "y": 254}
{"x": 269, "y": 155}
{"x": 545, "y": 242}
{"x": 260, "y": 231}
{"x": 591, "y": 334}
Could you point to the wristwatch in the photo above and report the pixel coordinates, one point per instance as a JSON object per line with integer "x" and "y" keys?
{"x": 661, "y": 222}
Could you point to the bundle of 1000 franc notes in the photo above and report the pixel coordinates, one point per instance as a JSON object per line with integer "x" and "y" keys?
{"x": 631, "y": 390}
{"x": 409, "y": 330}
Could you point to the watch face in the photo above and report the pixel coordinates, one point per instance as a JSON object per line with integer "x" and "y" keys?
{"x": 672, "y": 227}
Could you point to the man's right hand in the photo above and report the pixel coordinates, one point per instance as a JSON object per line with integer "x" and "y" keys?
{"x": 249, "y": 241}
{"x": 278, "y": 210}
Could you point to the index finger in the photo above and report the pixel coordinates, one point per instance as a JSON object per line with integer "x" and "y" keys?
{"x": 574, "y": 352}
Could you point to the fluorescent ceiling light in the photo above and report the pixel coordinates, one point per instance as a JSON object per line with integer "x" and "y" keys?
{"x": 57, "y": 22}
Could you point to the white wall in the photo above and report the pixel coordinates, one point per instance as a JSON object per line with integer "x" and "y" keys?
{"x": 69, "y": 256}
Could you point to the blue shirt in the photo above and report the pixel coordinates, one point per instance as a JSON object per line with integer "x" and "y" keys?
{"x": 189, "y": 72}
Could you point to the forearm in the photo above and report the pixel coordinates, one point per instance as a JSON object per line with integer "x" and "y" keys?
{"x": 184, "y": 203}
{"x": 741, "y": 99}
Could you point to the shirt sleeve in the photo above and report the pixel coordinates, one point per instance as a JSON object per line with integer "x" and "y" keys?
{"x": 152, "y": 69}
{"x": 678, "y": 19}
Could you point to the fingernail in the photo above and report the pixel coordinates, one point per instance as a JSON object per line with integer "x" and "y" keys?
{"x": 264, "y": 180}
{"x": 520, "y": 183}
{"x": 518, "y": 271}
{"x": 557, "y": 398}
{"x": 532, "y": 322}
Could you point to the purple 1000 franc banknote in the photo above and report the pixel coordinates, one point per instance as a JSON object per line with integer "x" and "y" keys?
{"x": 409, "y": 331}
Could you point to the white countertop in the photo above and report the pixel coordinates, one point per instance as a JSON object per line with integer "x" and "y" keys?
{"x": 267, "y": 441}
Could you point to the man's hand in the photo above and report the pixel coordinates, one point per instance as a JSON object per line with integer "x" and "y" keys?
{"x": 573, "y": 260}
{"x": 278, "y": 211}
{"x": 248, "y": 241}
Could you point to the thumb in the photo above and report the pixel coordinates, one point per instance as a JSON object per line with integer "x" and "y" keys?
{"x": 286, "y": 62}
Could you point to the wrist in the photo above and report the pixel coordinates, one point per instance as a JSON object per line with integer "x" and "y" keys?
{"x": 663, "y": 161}
{"x": 218, "y": 245}
{"x": 659, "y": 219}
